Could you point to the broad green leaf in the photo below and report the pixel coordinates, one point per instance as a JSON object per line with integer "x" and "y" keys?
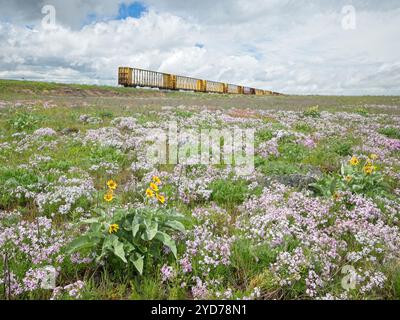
{"x": 137, "y": 262}
{"x": 127, "y": 225}
{"x": 82, "y": 242}
{"x": 167, "y": 241}
{"x": 119, "y": 249}
{"x": 176, "y": 225}
{"x": 151, "y": 231}
{"x": 135, "y": 228}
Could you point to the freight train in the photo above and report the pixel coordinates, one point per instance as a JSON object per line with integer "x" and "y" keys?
{"x": 133, "y": 77}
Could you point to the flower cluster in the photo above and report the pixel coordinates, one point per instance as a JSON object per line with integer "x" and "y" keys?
{"x": 73, "y": 290}
{"x": 154, "y": 190}
{"x": 38, "y": 244}
{"x": 109, "y": 195}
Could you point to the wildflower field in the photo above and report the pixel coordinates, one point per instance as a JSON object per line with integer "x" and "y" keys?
{"x": 318, "y": 218}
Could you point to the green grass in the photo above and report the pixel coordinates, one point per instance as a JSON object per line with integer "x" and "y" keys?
{"x": 118, "y": 98}
{"x": 390, "y": 132}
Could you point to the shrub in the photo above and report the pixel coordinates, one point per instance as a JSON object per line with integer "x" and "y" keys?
{"x": 25, "y": 121}
{"x": 131, "y": 236}
{"x": 359, "y": 176}
{"x": 362, "y": 111}
{"x": 312, "y": 112}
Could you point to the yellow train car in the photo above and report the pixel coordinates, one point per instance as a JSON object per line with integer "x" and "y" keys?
{"x": 215, "y": 87}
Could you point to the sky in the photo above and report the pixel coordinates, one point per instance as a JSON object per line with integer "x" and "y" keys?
{"x": 348, "y": 47}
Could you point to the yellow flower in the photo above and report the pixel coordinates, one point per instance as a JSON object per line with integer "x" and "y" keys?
{"x": 149, "y": 193}
{"x": 112, "y": 184}
{"x": 354, "y": 161}
{"x": 348, "y": 178}
{"x": 109, "y": 196}
{"x": 160, "y": 198}
{"x": 153, "y": 187}
{"x": 113, "y": 228}
{"x": 156, "y": 180}
{"x": 373, "y": 156}
{"x": 368, "y": 169}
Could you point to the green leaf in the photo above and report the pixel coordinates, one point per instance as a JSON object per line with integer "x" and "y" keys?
{"x": 126, "y": 225}
{"x": 151, "y": 231}
{"x": 119, "y": 249}
{"x": 82, "y": 242}
{"x": 333, "y": 186}
{"x": 167, "y": 241}
{"x": 176, "y": 225}
{"x": 135, "y": 228}
{"x": 137, "y": 261}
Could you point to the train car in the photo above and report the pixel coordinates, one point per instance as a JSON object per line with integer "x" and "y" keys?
{"x": 125, "y": 76}
{"x": 146, "y": 78}
{"x": 247, "y": 90}
{"x": 215, "y": 87}
{"x": 232, "y": 88}
{"x": 186, "y": 83}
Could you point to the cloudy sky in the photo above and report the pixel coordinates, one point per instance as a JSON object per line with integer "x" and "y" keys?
{"x": 292, "y": 46}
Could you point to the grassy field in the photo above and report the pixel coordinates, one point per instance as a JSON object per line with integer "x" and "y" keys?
{"x": 317, "y": 219}
{"x": 101, "y": 96}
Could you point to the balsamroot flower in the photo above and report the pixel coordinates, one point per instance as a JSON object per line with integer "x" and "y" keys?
{"x": 112, "y": 184}
{"x": 153, "y": 187}
{"x": 149, "y": 193}
{"x": 156, "y": 180}
{"x": 354, "y": 161}
{"x": 368, "y": 169}
{"x": 109, "y": 196}
{"x": 113, "y": 228}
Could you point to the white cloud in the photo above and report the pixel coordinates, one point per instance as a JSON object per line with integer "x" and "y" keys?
{"x": 287, "y": 46}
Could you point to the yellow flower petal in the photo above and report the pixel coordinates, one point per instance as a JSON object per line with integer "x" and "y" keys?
{"x": 154, "y": 187}
{"x": 160, "y": 198}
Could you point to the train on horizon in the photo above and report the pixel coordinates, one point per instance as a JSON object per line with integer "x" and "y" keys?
{"x": 134, "y": 77}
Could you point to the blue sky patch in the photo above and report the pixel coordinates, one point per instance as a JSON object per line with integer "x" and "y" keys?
{"x": 134, "y": 10}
